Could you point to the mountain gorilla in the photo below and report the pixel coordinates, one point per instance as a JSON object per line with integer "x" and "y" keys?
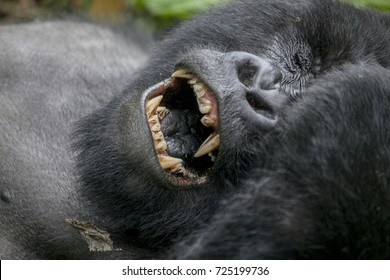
{"x": 258, "y": 130}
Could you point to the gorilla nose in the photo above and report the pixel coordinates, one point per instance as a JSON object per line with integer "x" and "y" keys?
{"x": 256, "y": 72}
{"x": 261, "y": 82}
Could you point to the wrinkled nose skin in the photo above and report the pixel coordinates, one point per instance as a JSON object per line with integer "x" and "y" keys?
{"x": 246, "y": 86}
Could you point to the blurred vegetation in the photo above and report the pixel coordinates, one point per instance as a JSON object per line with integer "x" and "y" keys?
{"x": 153, "y": 12}
{"x": 378, "y": 4}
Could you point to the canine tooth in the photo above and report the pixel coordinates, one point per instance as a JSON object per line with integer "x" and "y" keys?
{"x": 182, "y": 73}
{"x": 158, "y": 136}
{"x": 168, "y": 162}
{"x": 207, "y": 121}
{"x": 152, "y": 105}
{"x": 161, "y": 146}
{"x": 162, "y": 112}
{"x": 156, "y": 127}
{"x": 210, "y": 144}
{"x": 187, "y": 76}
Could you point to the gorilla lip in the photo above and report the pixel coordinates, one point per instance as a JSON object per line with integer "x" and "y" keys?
{"x": 183, "y": 92}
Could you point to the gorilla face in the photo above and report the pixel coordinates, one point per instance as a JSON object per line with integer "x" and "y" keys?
{"x": 210, "y": 97}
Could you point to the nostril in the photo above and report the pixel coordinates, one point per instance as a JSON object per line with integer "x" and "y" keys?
{"x": 246, "y": 73}
{"x": 256, "y": 72}
{"x": 260, "y": 106}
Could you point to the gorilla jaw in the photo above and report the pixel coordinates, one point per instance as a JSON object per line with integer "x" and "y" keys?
{"x": 184, "y": 93}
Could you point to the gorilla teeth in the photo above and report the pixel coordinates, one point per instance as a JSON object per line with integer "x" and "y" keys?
{"x": 155, "y": 114}
{"x": 156, "y": 127}
{"x": 161, "y": 146}
{"x": 152, "y": 105}
{"x": 210, "y": 144}
{"x": 158, "y": 136}
{"x": 207, "y": 121}
{"x": 153, "y": 120}
{"x": 182, "y": 73}
{"x": 168, "y": 162}
{"x": 192, "y": 81}
{"x": 162, "y": 112}
{"x": 199, "y": 89}
{"x": 205, "y": 105}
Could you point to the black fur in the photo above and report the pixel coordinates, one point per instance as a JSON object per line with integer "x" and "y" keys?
{"x": 313, "y": 184}
{"x": 322, "y": 192}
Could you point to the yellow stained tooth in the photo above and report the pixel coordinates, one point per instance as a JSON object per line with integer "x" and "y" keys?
{"x": 198, "y": 87}
{"x": 153, "y": 120}
{"x": 200, "y": 94}
{"x": 158, "y": 136}
{"x": 152, "y": 105}
{"x": 200, "y": 90}
{"x": 205, "y": 109}
{"x": 192, "y": 81}
{"x": 204, "y": 105}
{"x": 204, "y": 101}
{"x": 156, "y": 127}
{"x": 207, "y": 121}
{"x": 182, "y": 73}
{"x": 161, "y": 146}
{"x": 162, "y": 112}
{"x": 187, "y": 76}
{"x": 178, "y": 168}
{"x": 210, "y": 144}
{"x": 168, "y": 162}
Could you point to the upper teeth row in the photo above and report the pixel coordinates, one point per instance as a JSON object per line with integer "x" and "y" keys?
{"x": 202, "y": 93}
{"x": 204, "y": 104}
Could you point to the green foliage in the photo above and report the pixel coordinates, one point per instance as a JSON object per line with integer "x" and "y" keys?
{"x": 379, "y": 4}
{"x": 165, "y": 11}
{"x": 173, "y": 9}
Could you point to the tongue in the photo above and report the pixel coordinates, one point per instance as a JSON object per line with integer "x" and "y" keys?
{"x": 182, "y": 133}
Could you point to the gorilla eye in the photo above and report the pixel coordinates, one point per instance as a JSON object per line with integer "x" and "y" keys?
{"x": 183, "y": 120}
{"x": 302, "y": 61}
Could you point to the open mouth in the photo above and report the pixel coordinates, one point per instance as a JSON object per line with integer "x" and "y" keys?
{"x": 183, "y": 119}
